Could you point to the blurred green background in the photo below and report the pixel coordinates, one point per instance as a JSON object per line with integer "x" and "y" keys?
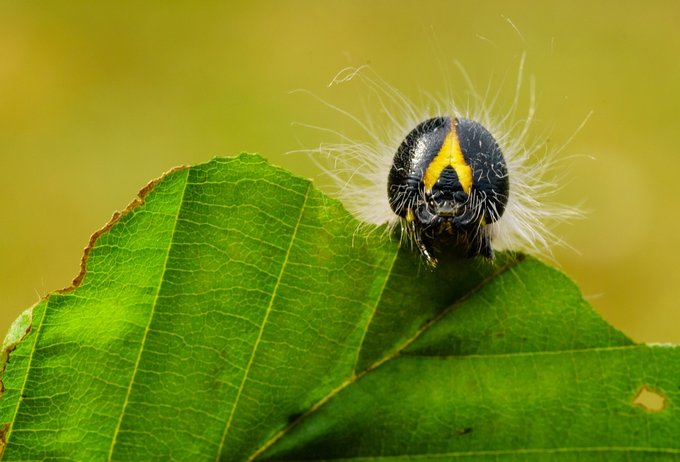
{"x": 98, "y": 98}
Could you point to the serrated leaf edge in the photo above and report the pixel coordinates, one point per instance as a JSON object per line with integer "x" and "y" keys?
{"x": 147, "y": 328}
{"x": 6, "y": 430}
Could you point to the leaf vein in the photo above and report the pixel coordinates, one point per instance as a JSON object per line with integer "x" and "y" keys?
{"x": 147, "y": 329}
{"x": 262, "y": 326}
{"x": 369, "y": 321}
{"x": 504, "y": 452}
{"x": 20, "y": 399}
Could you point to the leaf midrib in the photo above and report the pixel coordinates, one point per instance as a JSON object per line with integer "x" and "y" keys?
{"x": 353, "y": 378}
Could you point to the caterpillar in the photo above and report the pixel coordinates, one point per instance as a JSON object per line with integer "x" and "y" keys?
{"x": 450, "y": 179}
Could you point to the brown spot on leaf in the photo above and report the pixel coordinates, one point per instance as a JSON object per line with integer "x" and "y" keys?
{"x": 4, "y": 428}
{"x": 650, "y": 400}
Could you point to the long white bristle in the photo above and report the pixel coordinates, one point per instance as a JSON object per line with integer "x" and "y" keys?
{"x": 359, "y": 167}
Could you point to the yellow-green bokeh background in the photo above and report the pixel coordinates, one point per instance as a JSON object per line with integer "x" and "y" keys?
{"x": 97, "y": 98}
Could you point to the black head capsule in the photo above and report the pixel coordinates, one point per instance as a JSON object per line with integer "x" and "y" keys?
{"x": 448, "y": 182}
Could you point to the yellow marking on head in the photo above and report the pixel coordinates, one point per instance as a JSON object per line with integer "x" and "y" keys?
{"x": 409, "y": 215}
{"x": 449, "y": 155}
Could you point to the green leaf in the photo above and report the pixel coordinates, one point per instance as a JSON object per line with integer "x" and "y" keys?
{"x": 235, "y": 313}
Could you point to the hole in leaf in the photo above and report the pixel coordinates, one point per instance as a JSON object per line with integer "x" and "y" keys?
{"x": 650, "y": 400}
